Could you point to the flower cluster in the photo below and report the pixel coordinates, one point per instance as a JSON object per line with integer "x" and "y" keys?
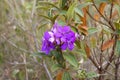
{"x": 61, "y": 36}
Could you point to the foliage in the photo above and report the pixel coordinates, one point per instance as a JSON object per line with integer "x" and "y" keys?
{"x": 96, "y": 53}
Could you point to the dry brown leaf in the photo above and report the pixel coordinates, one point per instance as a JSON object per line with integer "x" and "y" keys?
{"x": 87, "y": 50}
{"x": 102, "y": 7}
{"x": 107, "y": 44}
{"x": 83, "y": 29}
{"x": 83, "y": 19}
{"x": 59, "y": 75}
{"x": 96, "y": 16}
{"x": 116, "y": 2}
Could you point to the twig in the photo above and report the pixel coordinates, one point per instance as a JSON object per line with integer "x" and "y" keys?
{"x": 108, "y": 72}
{"x": 25, "y": 65}
{"x": 36, "y": 42}
{"x": 45, "y": 66}
{"x": 100, "y": 59}
{"x": 109, "y": 21}
{"x": 95, "y": 56}
{"x": 107, "y": 61}
{"x": 97, "y": 20}
{"x": 112, "y": 53}
{"x": 117, "y": 68}
{"x": 93, "y": 61}
{"x": 111, "y": 11}
{"x": 98, "y": 10}
{"x": 14, "y": 45}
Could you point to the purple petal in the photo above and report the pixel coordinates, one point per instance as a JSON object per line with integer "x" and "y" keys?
{"x": 64, "y": 46}
{"x": 66, "y": 28}
{"x": 63, "y": 39}
{"x": 72, "y": 39}
{"x": 70, "y": 46}
{"x": 52, "y": 46}
{"x": 52, "y": 39}
{"x": 56, "y": 26}
{"x": 46, "y": 35}
{"x": 58, "y": 41}
{"x": 58, "y": 35}
{"x": 47, "y": 51}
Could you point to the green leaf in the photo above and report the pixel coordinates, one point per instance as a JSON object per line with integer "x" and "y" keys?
{"x": 117, "y": 25}
{"x": 55, "y": 67}
{"x": 70, "y": 12}
{"x": 62, "y": 3}
{"x": 42, "y": 25}
{"x": 81, "y": 74}
{"x": 78, "y": 44}
{"x": 118, "y": 47}
{"x": 38, "y": 54}
{"x": 42, "y": 7}
{"x": 93, "y": 42}
{"x": 107, "y": 30}
{"x": 54, "y": 18}
{"x": 49, "y": 3}
{"x": 61, "y": 22}
{"x": 15, "y": 72}
{"x": 98, "y": 1}
{"x": 92, "y": 30}
{"x": 118, "y": 32}
{"x": 50, "y": 13}
{"x": 45, "y": 16}
{"x": 1, "y": 58}
{"x": 71, "y": 59}
{"x": 58, "y": 57}
{"x": 77, "y": 10}
{"x": 80, "y": 6}
{"x": 63, "y": 12}
{"x": 66, "y": 76}
{"x": 77, "y": 19}
{"x": 92, "y": 75}
{"x": 20, "y": 75}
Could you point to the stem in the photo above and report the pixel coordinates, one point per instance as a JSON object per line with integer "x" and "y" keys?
{"x": 116, "y": 68}
{"x": 48, "y": 73}
{"x": 101, "y": 57}
{"x": 112, "y": 54}
{"x": 61, "y": 61}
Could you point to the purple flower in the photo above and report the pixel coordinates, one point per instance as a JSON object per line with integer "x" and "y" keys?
{"x": 47, "y": 44}
{"x": 61, "y": 36}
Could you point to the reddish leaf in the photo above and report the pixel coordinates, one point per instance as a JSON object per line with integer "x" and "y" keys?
{"x": 114, "y": 13}
{"x": 87, "y": 50}
{"x": 107, "y": 44}
{"x": 59, "y": 75}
